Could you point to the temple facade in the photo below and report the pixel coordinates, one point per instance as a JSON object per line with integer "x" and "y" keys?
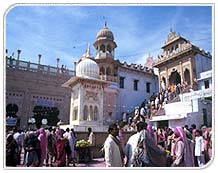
{"x": 37, "y": 90}
{"x": 101, "y": 89}
{"x": 181, "y": 62}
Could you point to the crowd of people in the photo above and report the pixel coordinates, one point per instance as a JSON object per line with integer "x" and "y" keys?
{"x": 156, "y": 102}
{"x": 150, "y": 147}
{"x": 147, "y": 147}
{"x": 42, "y": 147}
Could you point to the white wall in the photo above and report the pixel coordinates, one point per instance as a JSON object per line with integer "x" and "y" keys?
{"x": 128, "y": 98}
{"x": 202, "y": 64}
{"x": 205, "y": 76}
{"x": 178, "y": 108}
{"x": 192, "y": 118}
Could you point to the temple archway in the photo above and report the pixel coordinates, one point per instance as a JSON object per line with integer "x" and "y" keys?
{"x": 85, "y": 112}
{"x": 187, "y": 76}
{"x": 11, "y": 110}
{"x": 49, "y": 113}
{"x": 175, "y": 78}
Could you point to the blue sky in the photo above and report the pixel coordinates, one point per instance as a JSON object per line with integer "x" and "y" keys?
{"x": 64, "y": 31}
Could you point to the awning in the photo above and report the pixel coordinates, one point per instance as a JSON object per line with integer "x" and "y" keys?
{"x": 168, "y": 117}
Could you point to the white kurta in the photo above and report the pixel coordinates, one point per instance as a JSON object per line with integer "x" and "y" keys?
{"x": 179, "y": 152}
{"x": 199, "y": 145}
{"x": 130, "y": 147}
{"x": 112, "y": 153}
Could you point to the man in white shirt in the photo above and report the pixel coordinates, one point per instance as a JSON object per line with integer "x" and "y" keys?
{"x": 199, "y": 148}
{"x": 113, "y": 152}
{"x": 130, "y": 148}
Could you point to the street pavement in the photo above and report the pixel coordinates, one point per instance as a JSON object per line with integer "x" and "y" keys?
{"x": 96, "y": 162}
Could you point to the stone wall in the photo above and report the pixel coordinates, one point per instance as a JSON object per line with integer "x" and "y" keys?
{"x": 26, "y": 88}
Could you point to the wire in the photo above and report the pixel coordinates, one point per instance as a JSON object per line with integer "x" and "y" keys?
{"x": 142, "y": 53}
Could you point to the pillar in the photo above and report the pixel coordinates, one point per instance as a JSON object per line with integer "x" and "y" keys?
{"x": 181, "y": 71}
{"x": 167, "y": 78}
{"x": 39, "y": 59}
{"x": 18, "y": 54}
{"x": 191, "y": 71}
{"x": 58, "y": 62}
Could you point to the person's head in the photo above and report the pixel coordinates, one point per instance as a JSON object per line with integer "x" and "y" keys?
{"x": 50, "y": 129}
{"x": 9, "y": 138}
{"x": 198, "y": 133}
{"x": 178, "y": 131}
{"x": 193, "y": 126}
{"x": 113, "y": 130}
{"x": 204, "y": 128}
{"x": 141, "y": 126}
{"x": 89, "y": 129}
{"x": 67, "y": 129}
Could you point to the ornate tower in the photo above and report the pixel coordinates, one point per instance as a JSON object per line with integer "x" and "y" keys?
{"x": 105, "y": 43}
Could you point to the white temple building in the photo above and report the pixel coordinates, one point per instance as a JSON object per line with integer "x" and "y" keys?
{"x": 87, "y": 95}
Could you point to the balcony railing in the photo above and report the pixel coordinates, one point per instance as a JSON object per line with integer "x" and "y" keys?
{"x": 37, "y": 68}
{"x": 108, "y": 78}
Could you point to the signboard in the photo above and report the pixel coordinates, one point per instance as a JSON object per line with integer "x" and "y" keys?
{"x": 11, "y": 121}
{"x": 45, "y": 103}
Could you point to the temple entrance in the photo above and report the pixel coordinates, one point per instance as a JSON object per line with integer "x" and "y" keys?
{"x": 162, "y": 124}
{"x": 12, "y": 119}
{"x": 48, "y": 113}
{"x": 175, "y": 78}
{"x": 187, "y": 76}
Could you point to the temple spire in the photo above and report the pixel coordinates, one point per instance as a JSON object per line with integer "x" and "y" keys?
{"x": 105, "y": 24}
{"x": 88, "y": 49}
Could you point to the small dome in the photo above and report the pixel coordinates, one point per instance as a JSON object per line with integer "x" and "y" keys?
{"x": 87, "y": 68}
{"x": 105, "y": 33}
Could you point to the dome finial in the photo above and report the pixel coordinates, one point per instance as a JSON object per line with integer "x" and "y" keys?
{"x": 87, "y": 53}
{"x": 88, "y": 49}
{"x": 171, "y": 29}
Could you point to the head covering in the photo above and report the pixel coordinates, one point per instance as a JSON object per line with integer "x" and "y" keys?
{"x": 41, "y": 131}
{"x": 179, "y": 132}
{"x": 150, "y": 130}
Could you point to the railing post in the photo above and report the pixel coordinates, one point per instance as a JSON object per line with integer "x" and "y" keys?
{"x": 28, "y": 66}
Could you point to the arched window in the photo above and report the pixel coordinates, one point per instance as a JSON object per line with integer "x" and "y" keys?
{"x": 102, "y": 48}
{"x": 91, "y": 113}
{"x": 109, "y": 48}
{"x": 102, "y": 71}
{"x": 96, "y": 113}
{"x": 108, "y": 71}
{"x": 85, "y": 112}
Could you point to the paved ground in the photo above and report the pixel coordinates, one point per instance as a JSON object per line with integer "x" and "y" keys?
{"x": 96, "y": 162}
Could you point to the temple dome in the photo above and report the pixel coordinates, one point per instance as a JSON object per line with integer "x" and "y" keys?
{"x": 87, "y": 68}
{"x": 105, "y": 33}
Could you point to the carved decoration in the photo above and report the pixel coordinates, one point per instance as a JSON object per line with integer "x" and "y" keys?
{"x": 90, "y": 94}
